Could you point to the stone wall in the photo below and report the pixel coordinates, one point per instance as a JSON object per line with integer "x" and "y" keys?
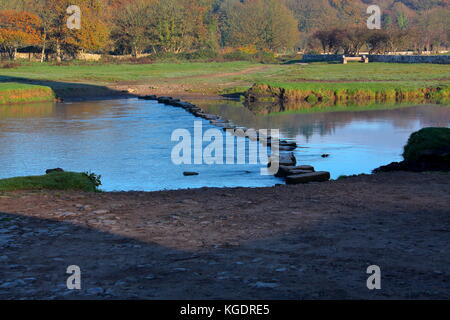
{"x": 438, "y": 59}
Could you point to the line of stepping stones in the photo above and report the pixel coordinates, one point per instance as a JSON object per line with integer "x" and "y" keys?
{"x": 288, "y": 168}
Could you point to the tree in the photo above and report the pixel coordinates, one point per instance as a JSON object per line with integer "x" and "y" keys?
{"x": 180, "y": 25}
{"x": 378, "y": 41}
{"x": 18, "y": 29}
{"x": 266, "y": 24}
{"x": 131, "y": 32}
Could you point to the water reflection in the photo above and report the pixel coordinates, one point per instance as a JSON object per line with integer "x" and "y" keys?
{"x": 358, "y": 140}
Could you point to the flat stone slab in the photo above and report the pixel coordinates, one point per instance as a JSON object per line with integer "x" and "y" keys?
{"x": 286, "y": 159}
{"x": 149, "y": 97}
{"x": 285, "y": 171}
{"x": 305, "y": 167}
{"x": 321, "y": 176}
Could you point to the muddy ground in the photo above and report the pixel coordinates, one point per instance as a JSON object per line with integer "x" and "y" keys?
{"x": 310, "y": 241}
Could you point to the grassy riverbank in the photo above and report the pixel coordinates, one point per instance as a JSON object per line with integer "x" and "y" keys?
{"x": 315, "y": 93}
{"x": 11, "y": 93}
{"x": 52, "y": 181}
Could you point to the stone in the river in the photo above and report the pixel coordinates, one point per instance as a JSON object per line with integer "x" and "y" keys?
{"x": 285, "y": 171}
{"x": 187, "y": 174}
{"x": 285, "y": 143}
{"x": 149, "y": 97}
{"x": 210, "y": 116}
{"x": 287, "y": 148}
{"x": 165, "y": 100}
{"x": 286, "y": 159}
{"x": 306, "y": 167}
{"x": 320, "y": 176}
{"x": 48, "y": 171}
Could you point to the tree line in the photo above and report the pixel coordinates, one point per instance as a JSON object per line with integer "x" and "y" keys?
{"x": 210, "y": 26}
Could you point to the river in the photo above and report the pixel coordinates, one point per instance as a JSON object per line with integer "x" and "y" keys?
{"x": 129, "y": 143}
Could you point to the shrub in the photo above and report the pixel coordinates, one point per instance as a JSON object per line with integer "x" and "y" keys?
{"x": 204, "y": 54}
{"x": 428, "y": 142}
{"x": 237, "y": 56}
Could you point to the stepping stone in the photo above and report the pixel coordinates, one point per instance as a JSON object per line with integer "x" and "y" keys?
{"x": 284, "y": 143}
{"x": 211, "y": 117}
{"x": 287, "y": 148}
{"x": 149, "y": 97}
{"x": 292, "y": 170}
{"x": 320, "y": 176}
{"x": 288, "y": 159}
{"x": 305, "y": 167}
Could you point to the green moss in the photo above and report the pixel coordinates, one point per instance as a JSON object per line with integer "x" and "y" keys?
{"x": 52, "y": 181}
{"x": 428, "y": 141}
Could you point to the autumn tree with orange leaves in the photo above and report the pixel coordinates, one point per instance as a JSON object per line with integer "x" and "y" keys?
{"x": 93, "y": 35}
{"x": 18, "y": 29}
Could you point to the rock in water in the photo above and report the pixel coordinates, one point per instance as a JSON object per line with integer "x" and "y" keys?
{"x": 306, "y": 167}
{"x": 320, "y": 176}
{"x": 285, "y": 171}
{"x": 187, "y": 174}
{"x": 48, "y": 171}
{"x": 286, "y": 159}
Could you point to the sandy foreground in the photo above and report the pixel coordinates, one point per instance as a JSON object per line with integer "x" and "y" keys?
{"x": 310, "y": 241}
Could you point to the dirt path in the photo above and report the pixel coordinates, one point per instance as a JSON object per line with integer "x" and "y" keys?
{"x": 176, "y": 87}
{"x": 221, "y": 74}
{"x": 286, "y": 242}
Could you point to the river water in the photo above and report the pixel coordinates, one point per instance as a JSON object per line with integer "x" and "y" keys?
{"x": 129, "y": 142}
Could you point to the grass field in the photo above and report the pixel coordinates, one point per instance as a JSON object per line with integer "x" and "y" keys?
{"x": 226, "y": 77}
{"x": 109, "y": 73}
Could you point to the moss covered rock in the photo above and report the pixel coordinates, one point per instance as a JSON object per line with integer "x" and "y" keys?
{"x": 428, "y": 144}
{"x": 426, "y": 150}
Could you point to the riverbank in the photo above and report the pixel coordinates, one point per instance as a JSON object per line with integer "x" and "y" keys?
{"x": 12, "y": 93}
{"x": 350, "y": 93}
{"x": 310, "y": 241}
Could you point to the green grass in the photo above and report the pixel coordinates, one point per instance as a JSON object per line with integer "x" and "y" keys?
{"x": 52, "y": 181}
{"x": 350, "y": 92}
{"x": 372, "y": 71}
{"x": 140, "y": 72}
{"x": 107, "y": 73}
{"x": 11, "y": 93}
{"x": 228, "y": 77}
